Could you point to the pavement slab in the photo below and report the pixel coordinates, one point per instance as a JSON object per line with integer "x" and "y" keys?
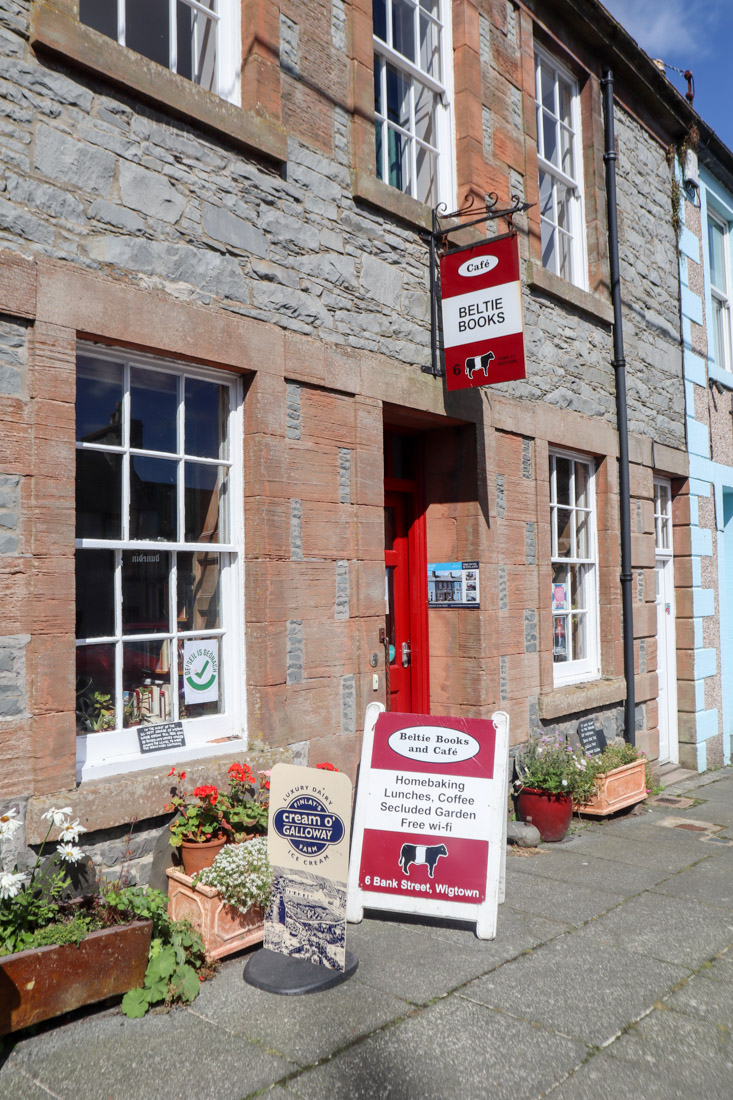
{"x": 696, "y": 1045}
{"x": 706, "y": 999}
{"x": 710, "y": 880}
{"x": 589, "y": 870}
{"x": 570, "y": 904}
{"x": 603, "y": 1077}
{"x": 665, "y": 854}
{"x": 302, "y": 1029}
{"x": 543, "y": 987}
{"x": 455, "y": 1048}
{"x": 176, "y": 1055}
{"x": 674, "y": 930}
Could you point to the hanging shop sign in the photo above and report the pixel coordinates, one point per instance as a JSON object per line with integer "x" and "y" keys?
{"x": 453, "y": 584}
{"x": 430, "y": 820}
{"x": 481, "y": 295}
{"x": 308, "y": 848}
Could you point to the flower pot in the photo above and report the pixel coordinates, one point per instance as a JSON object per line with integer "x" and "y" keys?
{"x": 44, "y": 982}
{"x": 624, "y": 786}
{"x": 223, "y": 928}
{"x": 196, "y": 856}
{"x": 550, "y": 813}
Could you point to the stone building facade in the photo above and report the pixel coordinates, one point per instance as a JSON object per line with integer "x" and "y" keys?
{"x": 239, "y": 270}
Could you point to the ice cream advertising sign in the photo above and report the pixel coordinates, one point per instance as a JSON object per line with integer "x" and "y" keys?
{"x": 481, "y": 295}
{"x": 430, "y": 817}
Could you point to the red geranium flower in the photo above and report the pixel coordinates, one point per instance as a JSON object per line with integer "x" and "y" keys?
{"x": 326, "y": 767}
{"x": 212, "y": 793}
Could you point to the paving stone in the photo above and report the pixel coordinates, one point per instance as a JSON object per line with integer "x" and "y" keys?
{"x": 674, "y": 930}
{"x": 19, "y": 1084}
{"x": 604, "y": 1078}
{"x": 302, "y": 1029}
{"x": 666, "y": 854}
{"x": 697, "y": 1045}
{"x": 109, "y": 1057}
{"x": 589, "y": 870}
{"x": 572, "y": 904}
{"x": 705, "y": 998}
{"x": 711, "y": 881}
{"x": 543, "y": 987}
{"x": 418, "y": 1060}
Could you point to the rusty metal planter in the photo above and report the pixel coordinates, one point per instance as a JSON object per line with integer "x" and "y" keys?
{"x": 223, "y": 928}
{"x": 44, "y": 982}
{"x": 617, "y": 789}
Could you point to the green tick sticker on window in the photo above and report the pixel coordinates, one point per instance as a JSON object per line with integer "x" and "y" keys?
{"x": 201, "y": 671}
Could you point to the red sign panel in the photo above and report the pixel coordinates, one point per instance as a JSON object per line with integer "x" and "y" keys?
{"x": 427, "y": 808}
{"x": 481, "y": 294}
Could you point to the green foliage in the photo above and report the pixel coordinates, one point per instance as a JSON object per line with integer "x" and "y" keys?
{"x": 241, "y": 873}
{"x": 62, "y": 932}
{"x": 172, "y": 972}
{"x": 549, "y": 764}
{"x": 201, "y": 820}
{"x": 615, "y": 755}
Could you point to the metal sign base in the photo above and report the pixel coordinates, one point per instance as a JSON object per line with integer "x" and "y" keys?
{"x": 276, "y": 973}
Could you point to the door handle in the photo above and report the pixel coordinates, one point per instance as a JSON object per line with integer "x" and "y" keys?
{"x": 406, "y": 654}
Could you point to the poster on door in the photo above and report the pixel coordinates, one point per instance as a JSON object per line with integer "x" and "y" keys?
{"x": 453, "y": 584}
{"x": 430, "y": 818}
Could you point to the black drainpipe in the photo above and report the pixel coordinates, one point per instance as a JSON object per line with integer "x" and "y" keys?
{"x": 619, "y": 366}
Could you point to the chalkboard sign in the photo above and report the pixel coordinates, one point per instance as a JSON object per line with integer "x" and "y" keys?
{"x": 592, "y": 739}
{"x": 163, "y": 735}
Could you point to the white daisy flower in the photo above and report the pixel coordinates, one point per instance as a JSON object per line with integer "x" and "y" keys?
{"x": 10, "y": 884}
{"x": 57, "y": 816}
{"x": 69, "y": 852}
{"x": 71, "y": 831}
{"x": 8, "y": 823}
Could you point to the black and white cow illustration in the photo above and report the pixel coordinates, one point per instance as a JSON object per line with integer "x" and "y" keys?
{"x": 479, "y": 362}
{"x": 420, "y": 854}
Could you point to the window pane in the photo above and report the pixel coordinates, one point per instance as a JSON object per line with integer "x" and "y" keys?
{"x": 98, "y": 495}
{"x": 95, "y": 593}
{"x": 547, "y": 91}
{"x": 565, "y": 96}
{"x": 95, "y": 688}
{"x": 100, "y": 14}
{"x": 398, "y": 98}
{"x": 99, "y": 390}
{"x": 716, "y": 241}
{"x": 146, "y": 683}
{"x": 403, "y": 28}
{"x": 206, "y": 488}
{"x": 566, "y": 151}
{"x": 153, "y": 506}
{"x": 563, "y": 468}
{"x": 145, "y": 608}
{"x": 429, "y": 47}
{"x": 185, "y": 21}
{"x": 200, "y": 46}
{"x": 547, "y": 209}
{"x": 549, "y": 139}
{"x": 378, "y": 130}
{"x": 153, "y": 409}
{"x": 565, "y": 533}
{"x": 398, "y": 153}
{"x": 200, "y": 670}
{"x": 199, "y": 599}
{"x": 207, "y": 416}
{"x": 424, "y": 114}
{"x": 581, "y": 485}
{"x": 579, "y": 640}
{"x": 560, "y": 588}
{"x": 565, "y": 257}
{"x": 146, "y": 29}
{"x": 582, "y": 523}
{"x": 379, "y": 16}
{"x": 426, "y": 176}
{"x": 378, "y": 88}
{"x": 577, "y": 586}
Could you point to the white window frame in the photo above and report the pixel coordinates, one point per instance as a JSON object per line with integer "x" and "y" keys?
{"x": 575, "y": 233}
{"x": 225, "y": 16}
{"x": 662, "y": 517}
{"x": 110, "y": 752}
{"x": 721, "y": 352}
{"x": 444, "y": 127}
{"x": 587, "y": 668}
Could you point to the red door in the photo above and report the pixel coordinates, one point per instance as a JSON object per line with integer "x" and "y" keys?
{"x": 405, "y": 563}
{"x": 397, "y": 600}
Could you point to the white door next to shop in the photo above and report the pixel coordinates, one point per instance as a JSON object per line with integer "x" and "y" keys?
{"x": 666, "y": 634}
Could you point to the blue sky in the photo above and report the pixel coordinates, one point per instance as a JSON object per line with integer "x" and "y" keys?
{"x": 691, "y": 34}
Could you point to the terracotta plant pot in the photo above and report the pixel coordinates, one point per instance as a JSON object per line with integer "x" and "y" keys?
{"x": 624, "y": 786}
{"x": 44, "y": 982}
{"x": 550, "y": 813}
{"x": 223, "y": 928}
{"x": 197, "y": 856}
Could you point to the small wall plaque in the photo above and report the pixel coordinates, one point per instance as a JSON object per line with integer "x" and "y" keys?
{"x": 163, "y": 735}
{"x": 591, "y": 738}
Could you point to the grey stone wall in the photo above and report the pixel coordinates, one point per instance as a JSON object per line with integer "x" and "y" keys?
{"x": 13, "y": 702}
{"x": 92, "y": 176}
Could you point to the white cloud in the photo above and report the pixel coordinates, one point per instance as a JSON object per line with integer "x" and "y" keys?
{"x": 678, "y": 31}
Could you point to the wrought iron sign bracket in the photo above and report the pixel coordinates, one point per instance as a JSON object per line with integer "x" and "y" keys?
{"x": 438, "y": 243}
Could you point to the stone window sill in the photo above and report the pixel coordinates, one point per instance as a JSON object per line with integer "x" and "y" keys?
{"x": 59, "y": 32}
{"x": 538, "y": 278}
{"x": 581, "y": 697}
{"x": 372, "y": 190}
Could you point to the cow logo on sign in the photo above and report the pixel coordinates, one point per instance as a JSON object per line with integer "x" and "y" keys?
{"x": 421, "y": 855}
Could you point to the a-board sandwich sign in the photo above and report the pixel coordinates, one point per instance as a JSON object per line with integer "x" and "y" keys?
{"x": 481, "y": 296}
{"x": 308, "y": 848}
{"x": 429, "y": 831}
